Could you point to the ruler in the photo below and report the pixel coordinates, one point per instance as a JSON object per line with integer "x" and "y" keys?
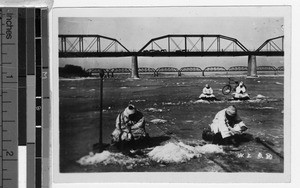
{"x": 9, "y": 98}
{"x": 24, "y": 96}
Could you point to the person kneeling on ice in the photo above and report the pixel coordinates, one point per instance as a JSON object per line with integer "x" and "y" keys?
{"x": 240, "y": 92}
{"x": 226, "y": 128}
{"x": 130, "y": 128}
{"x": 207, "y": 93}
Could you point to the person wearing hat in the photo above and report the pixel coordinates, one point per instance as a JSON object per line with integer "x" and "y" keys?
{"x": 207, "y": 93}
{"x": 227, "y": 126}
{"x": 130, "y": 127}
{"x": 240, "y": 92}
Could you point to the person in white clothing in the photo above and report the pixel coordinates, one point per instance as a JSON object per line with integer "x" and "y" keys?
{"x": 240, "y": 92}
{"x": 207, "y": 93}
{"x": 130, "y": 128}
{"x": 227, "y": 126}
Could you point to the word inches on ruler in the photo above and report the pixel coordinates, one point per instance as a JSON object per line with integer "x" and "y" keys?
{"x": 9, "y": 25}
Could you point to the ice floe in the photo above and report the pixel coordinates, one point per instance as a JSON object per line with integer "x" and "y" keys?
{"x": 156, "y": 121}
{"x": 153, "y": 109}
{"x": 170, "y": 103}
{"x": 259, "y": 96}
{"x": 267, "y": 107}
{"x": 78, "y": 78}
{"x": 200, "y": 101}
{"x": 205, "y": 101}
{"x": 138, "y": 100}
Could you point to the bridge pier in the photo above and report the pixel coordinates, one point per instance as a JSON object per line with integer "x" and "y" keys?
{"x": 252, "y": 72}
{"x": 134, "y": 67}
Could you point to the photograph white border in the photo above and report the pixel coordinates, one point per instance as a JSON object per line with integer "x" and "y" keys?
{"x": 185, "y": 177}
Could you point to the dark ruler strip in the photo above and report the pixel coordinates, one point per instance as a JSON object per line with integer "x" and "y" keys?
{"x": 38, "y": 67}
{"x": 38, "y": 142}
{"x": 38, "y": 60}
{"x": 30, "y": 31}
{"x": 45, "y": 100}
{"x": 38, "y": 22}
{"x": 38, "y": 172}
{"x": 22, "y": 76}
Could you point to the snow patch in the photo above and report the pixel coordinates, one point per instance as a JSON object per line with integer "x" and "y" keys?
{"x": 268, "y": 107}
{"x": 78, "y": 78}
{"x": 250, "y": 101}
{"x": 180, "y": 152}
{"x": 123, "y": 87}
{"x": 206, "y": 101}
{"x": 170, "y": 103}
{"x": 200, "y": 101}
{"x": 107, "y": 157}
{"x": 72, "y": 87}
{"x": 189, "y": 121}
{"x": 209, "y": 148}
{"x": 156, "y": 121}
{"x": 171, "y": 152}
{"x": 217, "y": 101}
{"x": 153, "y": 110}
{"x": 259, "y": 96}
{"x": 138, "y": 100}
{"x": 255, "y": 100}
{"x": 278, "y": 83}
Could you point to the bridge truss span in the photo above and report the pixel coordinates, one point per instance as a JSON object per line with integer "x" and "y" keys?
{"x": 193, "y": 45}
{"x": 89, "y": 45}
{"x": 272, "y": 46}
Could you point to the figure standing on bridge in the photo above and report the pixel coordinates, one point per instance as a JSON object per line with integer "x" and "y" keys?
{"x": 207, "y": 93}
{"x": 240, "y": 92}
{"x": 130, "y": 129}
{"x": 226, "y": 129}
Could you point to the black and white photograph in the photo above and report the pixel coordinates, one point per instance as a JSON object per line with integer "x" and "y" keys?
{"x": 180, "y": 92}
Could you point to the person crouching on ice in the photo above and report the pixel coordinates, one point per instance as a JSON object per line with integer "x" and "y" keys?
{"x": 227, "y": 127}
{"x": 130, "y": 129}
{"x": 240, "y": 92}
{"x": 207, "y": 93}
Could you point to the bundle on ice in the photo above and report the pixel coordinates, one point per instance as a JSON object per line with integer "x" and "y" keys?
{"x": 107, "y": 157}
{"x": 180, "y": 152}
{"x": 171, "y": 153}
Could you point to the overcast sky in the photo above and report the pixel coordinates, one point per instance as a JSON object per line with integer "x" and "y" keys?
{"x": 134, "y": 33}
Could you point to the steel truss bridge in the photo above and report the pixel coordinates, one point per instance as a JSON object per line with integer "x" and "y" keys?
{"x": 77, "y": 46}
